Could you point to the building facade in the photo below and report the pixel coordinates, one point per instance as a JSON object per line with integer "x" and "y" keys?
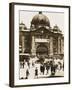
{"x": 41, "y": 39}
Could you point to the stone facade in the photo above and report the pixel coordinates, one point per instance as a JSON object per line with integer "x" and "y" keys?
{"x": 41, "y": 39}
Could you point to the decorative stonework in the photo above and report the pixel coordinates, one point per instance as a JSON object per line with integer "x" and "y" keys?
{"x": 51, "y": 46}
{"x": 23, "y": 48}
{"x": 39, "y": 34}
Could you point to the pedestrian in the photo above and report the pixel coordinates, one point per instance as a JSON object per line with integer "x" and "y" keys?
{"x": 23, "y": 64}
{"x": 47, "y": 67}
{"x": 33, "y": 64}
{"x": 52, "y": 68}
{"x": 36, "y": 72}
{"x": 27, "y": 73}
{"x": 28, "y": 64}
{"x": 43, "y": 69}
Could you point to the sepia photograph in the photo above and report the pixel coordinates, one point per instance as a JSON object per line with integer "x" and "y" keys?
{"x": 39, "y": 44}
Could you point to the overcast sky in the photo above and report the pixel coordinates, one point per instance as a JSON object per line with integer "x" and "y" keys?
{"x": 54, "y": 18}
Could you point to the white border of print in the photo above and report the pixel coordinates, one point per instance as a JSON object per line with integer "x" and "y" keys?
{"x": 16, "y": 46}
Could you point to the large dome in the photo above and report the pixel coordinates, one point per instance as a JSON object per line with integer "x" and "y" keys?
{"x": 40, "y": 19}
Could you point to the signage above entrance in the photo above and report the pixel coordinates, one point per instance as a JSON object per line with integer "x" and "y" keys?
{"x": 42, "y": 40}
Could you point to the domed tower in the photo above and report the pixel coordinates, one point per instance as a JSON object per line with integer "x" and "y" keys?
{"x": 40, "y": 30}
{"x": 22, "y": 26}
{"x": 24, "y": 39}
{"x": 56, "y": 29}
{"x": 39, "y": 20}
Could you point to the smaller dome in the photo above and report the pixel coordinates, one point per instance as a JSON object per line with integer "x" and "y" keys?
{"x": 56, "y": 27}
{"x": 22, "y": 26}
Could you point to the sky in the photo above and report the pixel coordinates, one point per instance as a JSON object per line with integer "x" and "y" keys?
{"x": 55, "y": 18}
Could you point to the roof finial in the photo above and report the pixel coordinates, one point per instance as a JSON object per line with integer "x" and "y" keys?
{"x": 40, "y": 12}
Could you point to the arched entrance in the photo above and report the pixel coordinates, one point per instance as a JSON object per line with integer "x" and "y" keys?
{"x": 42, "y": 50}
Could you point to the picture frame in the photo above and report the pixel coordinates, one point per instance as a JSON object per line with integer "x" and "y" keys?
{"x": 39, "y": 44}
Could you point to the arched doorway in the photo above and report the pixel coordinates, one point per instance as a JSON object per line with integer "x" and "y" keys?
{"x": 42, "y": 50}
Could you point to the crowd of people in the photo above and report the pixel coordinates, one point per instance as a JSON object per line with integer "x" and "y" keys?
{"x": 41, "y": 67}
